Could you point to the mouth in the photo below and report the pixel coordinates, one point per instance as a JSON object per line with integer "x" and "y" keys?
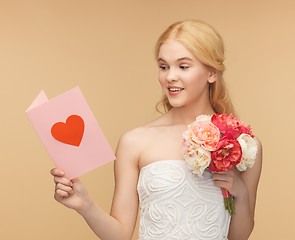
{"x": 175, "y": 89}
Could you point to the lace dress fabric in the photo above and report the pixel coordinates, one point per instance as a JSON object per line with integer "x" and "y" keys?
{"x": 176, "y": 204}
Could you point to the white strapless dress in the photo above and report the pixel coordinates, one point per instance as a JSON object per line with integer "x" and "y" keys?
{"x": 177, "y": 204}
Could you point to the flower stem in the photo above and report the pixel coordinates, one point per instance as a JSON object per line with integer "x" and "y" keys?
{"x": 229, "y": 206}
{"x": 228, "y": 202}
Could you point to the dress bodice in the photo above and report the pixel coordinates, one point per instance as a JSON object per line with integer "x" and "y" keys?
{"x": 177, "y": 204}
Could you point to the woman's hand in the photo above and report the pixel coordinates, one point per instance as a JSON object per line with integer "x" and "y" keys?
{"x": 70, "y": 193}
{"x": 232, "y": 181}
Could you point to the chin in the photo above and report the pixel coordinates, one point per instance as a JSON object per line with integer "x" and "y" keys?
{"x": 176, "y": 104}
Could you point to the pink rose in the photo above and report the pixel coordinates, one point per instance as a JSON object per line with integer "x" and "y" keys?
{"x": 205, "y": 133}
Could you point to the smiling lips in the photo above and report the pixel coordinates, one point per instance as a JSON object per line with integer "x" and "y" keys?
{"x": 174, "y": 90}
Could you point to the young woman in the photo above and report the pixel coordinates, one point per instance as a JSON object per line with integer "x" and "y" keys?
{"x": 150, "y": 171}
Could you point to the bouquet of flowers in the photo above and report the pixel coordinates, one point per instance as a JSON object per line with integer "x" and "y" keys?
{"x": 219, "y": 141}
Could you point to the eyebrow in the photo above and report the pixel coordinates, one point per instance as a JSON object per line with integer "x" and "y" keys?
{"x": 179, "y": 59}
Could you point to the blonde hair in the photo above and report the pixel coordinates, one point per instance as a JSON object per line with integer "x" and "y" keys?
{"x": 205, "y": 43}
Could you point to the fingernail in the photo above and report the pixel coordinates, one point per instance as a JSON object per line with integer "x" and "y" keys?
{"x": 62, "y": 173}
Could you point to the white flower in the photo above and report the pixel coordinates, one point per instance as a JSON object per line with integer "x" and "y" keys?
{"x": 197, "y": 158}
{"x": 249, "y": 150}
{"x": 186, "y": 138}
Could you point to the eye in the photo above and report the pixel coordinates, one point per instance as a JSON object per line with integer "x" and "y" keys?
{"x": 184, "y": 67}
{"x": 162, "y": 67}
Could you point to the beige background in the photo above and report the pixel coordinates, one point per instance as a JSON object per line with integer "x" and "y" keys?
{"x": 106, "y": 48}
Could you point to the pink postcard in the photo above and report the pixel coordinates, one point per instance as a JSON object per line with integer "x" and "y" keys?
{"x": 70, "y": 132}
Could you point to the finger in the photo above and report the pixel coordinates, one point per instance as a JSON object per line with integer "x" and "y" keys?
{"x": 229, "y": 172}
{"x": 221, "y": 184}
{"x": 61, "y": 193}
{"x": 221, "y": 173}
{"x": 57, "y": 172}
{"x": 65, "y": 188}
{"x": 219, "y": 177}
{"x": 75, "y": 180}
{"x": 63, "y": 180}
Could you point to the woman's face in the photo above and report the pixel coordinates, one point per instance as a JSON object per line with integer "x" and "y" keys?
{"x": 183, "y": 77}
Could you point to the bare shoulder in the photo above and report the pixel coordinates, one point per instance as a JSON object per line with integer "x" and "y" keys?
{"x": 134, "y": 136}
{"x": 259, "y": 151}
{"x": 131, "y": 136}
{"x": 252, "y": 175}
{"x": 128, "y": 141}
{"x": 138, "y": 135}
{"x": 259, "y": 144}
{"x": 131, "y": 143}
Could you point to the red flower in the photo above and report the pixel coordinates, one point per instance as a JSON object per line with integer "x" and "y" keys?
{"x": 227, "y": 155}
{"x": 229, "y": 125}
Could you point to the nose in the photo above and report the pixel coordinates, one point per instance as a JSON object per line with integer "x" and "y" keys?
{"x": 172, "y": 75}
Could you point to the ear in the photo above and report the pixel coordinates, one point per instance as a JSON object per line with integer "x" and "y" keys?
{"x": 212, "y": 77}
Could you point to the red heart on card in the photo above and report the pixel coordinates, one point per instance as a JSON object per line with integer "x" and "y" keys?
{"x": 70, "y": 132}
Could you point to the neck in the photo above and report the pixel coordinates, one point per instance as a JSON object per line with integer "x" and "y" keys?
{"x": 187, "y": 114}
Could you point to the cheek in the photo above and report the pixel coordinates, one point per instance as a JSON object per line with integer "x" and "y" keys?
{"x": 161, "y": 79}
{"x": 195, "y": 84}
{"x": 196, "y": 79}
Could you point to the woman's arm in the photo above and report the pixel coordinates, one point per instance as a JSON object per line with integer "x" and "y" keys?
{"x": 243, "y": 186}
{"x": 120, "y": 223}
